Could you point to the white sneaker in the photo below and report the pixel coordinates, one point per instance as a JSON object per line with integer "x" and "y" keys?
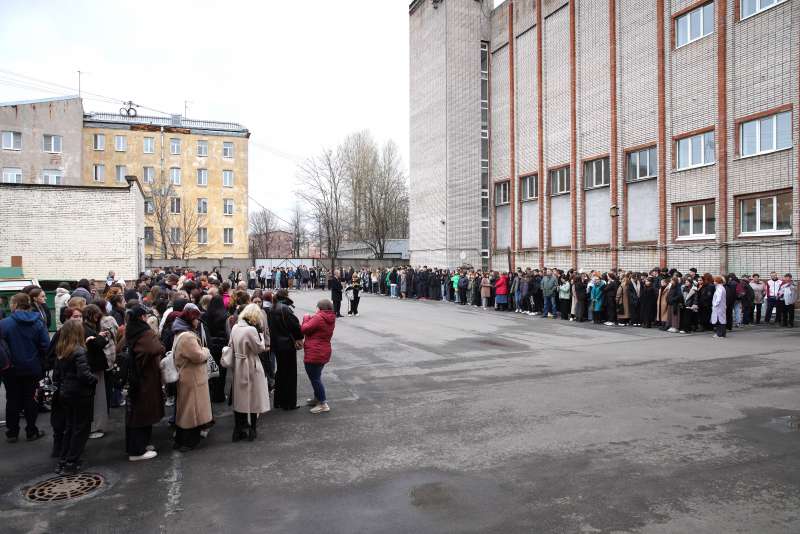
{"x": 96, "y": 435}
{"x": 150, "y": 448}
{"x": 146, "y": 456}
{"x": 682, "y": 332}
{"x": 673, "y": 330}
{"x": 608, "y": 323}
{"x": 204, "y": 433}
{"x": 170, "y": 401}
{"x": 319, "y": 408}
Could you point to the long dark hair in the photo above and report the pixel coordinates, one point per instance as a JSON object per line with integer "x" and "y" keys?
{"x": 216, "y": 311}
{"x": 71, "y": 337}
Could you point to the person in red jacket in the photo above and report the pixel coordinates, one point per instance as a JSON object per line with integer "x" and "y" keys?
{"x": 317, "y": 331}
{"x": 501, "y": 292}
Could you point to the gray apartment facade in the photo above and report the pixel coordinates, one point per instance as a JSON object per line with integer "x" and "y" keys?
{"x": 611, "y": 134}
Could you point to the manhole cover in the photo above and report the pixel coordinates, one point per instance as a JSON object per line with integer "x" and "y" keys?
{"x": 64, "y": 488}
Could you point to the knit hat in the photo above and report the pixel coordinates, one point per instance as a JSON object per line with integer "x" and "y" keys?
{"x": 190, "y": 313}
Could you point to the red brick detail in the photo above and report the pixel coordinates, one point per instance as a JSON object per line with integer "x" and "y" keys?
{"x": 512, "y": 189}
{"x": 573, "y": 143}
{"x": 662, "y": 137}
{"x": 540, "y": 136}
{"x": 722, "y": 134}
{"x": 614, "y": 155}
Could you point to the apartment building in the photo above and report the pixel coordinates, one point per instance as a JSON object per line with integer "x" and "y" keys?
{"x": 194, "y": 176}
{"x": 605, "y": 134}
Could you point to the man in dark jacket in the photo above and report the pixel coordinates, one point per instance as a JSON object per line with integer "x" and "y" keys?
{"x": 336, "y": 293}
{"x": 27, "y": 339}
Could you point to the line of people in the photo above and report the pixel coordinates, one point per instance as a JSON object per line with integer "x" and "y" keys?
{"x": 115, "y": 348}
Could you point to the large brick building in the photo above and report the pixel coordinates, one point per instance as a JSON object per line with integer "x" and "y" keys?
{"x": 605, "y": 134}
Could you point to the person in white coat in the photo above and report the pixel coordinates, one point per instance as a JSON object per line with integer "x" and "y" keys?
{"x": 718, "y": 303}
{"x": 249, "y": 338}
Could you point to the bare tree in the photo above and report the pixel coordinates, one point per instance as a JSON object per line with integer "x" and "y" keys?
{"x": 186, "y": 243}
{"x": 359, "y": 155}
{"x": 322, "y": 188}
{"x": 159, "y": 194}
{"x": 263, "y": 224}
{"x": 298, "y": 231}
{"x": 386, "y": 201}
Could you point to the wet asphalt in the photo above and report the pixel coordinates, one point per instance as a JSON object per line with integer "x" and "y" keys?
{"x": 453, "y": 419}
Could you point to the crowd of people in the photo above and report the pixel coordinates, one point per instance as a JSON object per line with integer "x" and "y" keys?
{"x": 286, "y": 277}
{"x": 169, "y": 344}
{"x": 665, "y": 298}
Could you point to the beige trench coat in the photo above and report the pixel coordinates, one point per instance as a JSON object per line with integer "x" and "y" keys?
{"x": 193, "y": 405}
{"x": 249, "y": 386}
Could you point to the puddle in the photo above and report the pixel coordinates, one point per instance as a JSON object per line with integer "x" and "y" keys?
{"x": 784, "y": 424}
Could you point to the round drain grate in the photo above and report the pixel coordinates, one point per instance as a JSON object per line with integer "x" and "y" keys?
{"x": 64, "y": 488}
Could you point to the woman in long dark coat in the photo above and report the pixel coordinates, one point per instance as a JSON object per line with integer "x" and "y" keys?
{"x": 610, "y": 299}
{"x": 285, "y": 334}
{"x": 145, "y": 406}
{"x": 214, "y": 320}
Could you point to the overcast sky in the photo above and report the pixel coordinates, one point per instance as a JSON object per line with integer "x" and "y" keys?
{"x": 300, "y": 75}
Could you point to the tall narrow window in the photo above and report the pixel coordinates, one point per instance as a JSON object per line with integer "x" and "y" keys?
{"x": 202, "y": 206}
{"x": 202, "y": 236}
{"x": 149, "y": 235}
{"x": 175, "y": 205}
{"x": 202, "y": 148}
{"x": 227, "y": 150}
{"x": 227, "y": 178}
{"x": 174, "y": 146}
{"x": 227, "y": 236}
{"x": 227, "y": 206}
{"x": 149, "y": 207}
{"x": 175, "y": 235}
{"x": 148, "y": 175}
{"x": 99, "y": 172}
{"x": 99, "y": 142}
{"x": 121, "y": 172}
{"x": 120, "y": 143}
{"x": 175, "y": 175}
{"x": 202, "y": 177}
{"x": 484, "y": 155}
{"x": 148, "y": 145}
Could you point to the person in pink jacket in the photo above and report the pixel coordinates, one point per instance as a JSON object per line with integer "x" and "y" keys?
{"x": 317, "y": 331}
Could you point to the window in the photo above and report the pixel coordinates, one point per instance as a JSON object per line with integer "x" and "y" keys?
{"x": 149, "y": 145}
{"x": 99, "y": 141}
{"x": 121, "y": 171}
{"x": 52, "y": 177}
{"x": 175, "y": 175}
{"x": 559, "y": 181}
{"x": 120, "y": 143}
{"x": 697, "y": 221}
{"x": 752, "y": 7}
{"x": 99, "y": 172}
{"x": 227, "y": 150}
{"x": 501, "y": 194}
{"x": 485, "y": 205}
{"x": 765, "y": 135}
{"x": 227, "y": 236}
{"x": 174, "y": 205}
{"x": 51, "y": 143}
{"x": 695, "y": 151}
{"x": 149, "y": 236}
{"x": 202, "y": 148}
{"x": 694, "y": 25}
{"x": 596, "y": 173}
{"x": 484, "y": 174}
{"x": 227, "y": 178}
{"x": 642, "y": 164}
{"x": 766, "y": 215}
{"x": 202, "y": 177}
{"x": 148, "y": 175}
{"x": 202, "y": 206}
{"x": 227, "y": 206}
{"x": 12, "y": 175}
{"x": 12, "y": 141}
{"x": 149, "y": 207}
{"x": 529, "y": 186}
{"x": 174, "y": 146}
{"x": 175, "y": 235}
{"x": 202, "y": 236}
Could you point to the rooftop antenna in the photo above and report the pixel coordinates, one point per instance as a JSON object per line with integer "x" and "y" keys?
{"x": 79, "y": 83}
{"x": 186, "y": 107}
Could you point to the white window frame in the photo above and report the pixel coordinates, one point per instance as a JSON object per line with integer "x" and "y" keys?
{"x": 175, "y": 235}
{"x": 52, "y": 176}
{"x": 9, "y": 172}
{"x": 604, "y": 164}
{"x": 703, "y": 215}
{"x": 202, "y": 235}
{"x": 148, "y": 177}
{"x": 120, "y": 143}
{"x": 152, "y": 236}
{"x": 702, "y": 138}
{"x": 651, "y": 172}
{"x": 225, "y": 233}
{"x": 757, "y": 122}
{"x": 99, "y": 142}
{"x": 175, "y": 205}
{"x": 149, "y": 206}
{"x": 120, "y": 176}
{"x": 8, "y": 140}
{"x": 149, "y": 141}
{"x": 525, "y": 187}
{"x": 202, "y": 206}
{"x": 204, "y": 145}
{"x": 101, "y": 175}
{"x": 562, "y": 179}
{"x": 202, "y": 177}
{"x": 51, "y": 147}
{"x": 758, "y": 231}
{"x": 225, "y": 181}
{"x": 688, "y": 18}
{"x": 225, "y": 203}
{"x": 759, "y": 8}
{"x": 175, "y": 175}
{"x": 175, "y": 146}
{"x": 227, "y": 150}
{"x": 502, "y": 194}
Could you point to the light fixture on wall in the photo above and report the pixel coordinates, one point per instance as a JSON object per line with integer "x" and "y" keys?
{"x": 614, "y": 211}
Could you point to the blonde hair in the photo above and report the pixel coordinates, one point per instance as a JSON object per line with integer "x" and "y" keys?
{"x": 77, "y": 302}
{"x": 252, "y": 314}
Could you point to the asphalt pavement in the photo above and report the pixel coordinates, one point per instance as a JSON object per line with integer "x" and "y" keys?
{"x": 453, "y": 419}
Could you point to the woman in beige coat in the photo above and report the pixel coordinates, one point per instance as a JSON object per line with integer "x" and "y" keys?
{"x": 193, "y": 405}
{"x": 249, "y": 338}
{"x": 486, "y": 291}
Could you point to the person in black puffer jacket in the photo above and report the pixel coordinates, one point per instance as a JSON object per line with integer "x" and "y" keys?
{"x": 76, "y": 384}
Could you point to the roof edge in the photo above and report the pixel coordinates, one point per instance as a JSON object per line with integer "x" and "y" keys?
{"x": 40, "y": 100}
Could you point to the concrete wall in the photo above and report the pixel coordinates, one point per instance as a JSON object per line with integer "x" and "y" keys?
{"x": 77, "y": 232}
{"x": 62, "y": 117}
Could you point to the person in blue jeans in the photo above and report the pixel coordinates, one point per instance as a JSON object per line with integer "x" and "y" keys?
{"x": 549, "y": 289}
{"x": 317, "y": 332}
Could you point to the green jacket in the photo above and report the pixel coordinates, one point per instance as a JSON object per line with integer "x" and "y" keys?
{"x": 455, "y": 279}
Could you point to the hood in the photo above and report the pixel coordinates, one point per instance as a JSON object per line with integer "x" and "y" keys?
{"x": 26, "y": 317}
{"x": 61, "y": 291}
{"x": 329, "y": 316}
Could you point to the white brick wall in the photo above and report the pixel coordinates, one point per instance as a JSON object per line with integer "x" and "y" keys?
{"x": 76, "y": 232}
